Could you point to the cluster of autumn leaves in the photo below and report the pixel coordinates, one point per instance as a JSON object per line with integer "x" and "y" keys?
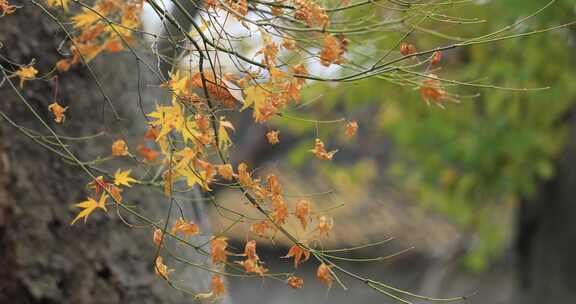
{"x": 104, "y": 189}
{"x": 184, "y": 135}
{"x": 250, "y": 261}
{"x": 276, "y": 218}
{"x": 280, "y": 87}
{"x": 431, "y": 88}
{"x": 106, "y": 26}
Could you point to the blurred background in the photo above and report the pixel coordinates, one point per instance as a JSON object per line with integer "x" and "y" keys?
{"x": 478, "y": 197}
{"x": 482, "y": 192}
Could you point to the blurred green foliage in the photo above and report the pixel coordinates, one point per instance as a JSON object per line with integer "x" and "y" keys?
{"x": 474, "y": 160}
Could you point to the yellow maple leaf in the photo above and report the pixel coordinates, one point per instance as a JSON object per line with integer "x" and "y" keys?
{"x": 178, "y": 85}
{"x": 89, "y": 51}
{"x": 193, "y": 177}
{"x": 255, "y": 95}
{"x": 224, "y": 140}
{"x": 62, "y": 3}
{"x": 122, "y": 178}
{"x": 26, "y": 73}
{"x": 203, "y": 27}
{"x": 168, "y": 118}
{"x": 185, "y": 156}
{"x": 124, "y": 30}
{"x": 89, "y": 206}
{"x": 84, "y": 19}
{"x": 189, "y": 131}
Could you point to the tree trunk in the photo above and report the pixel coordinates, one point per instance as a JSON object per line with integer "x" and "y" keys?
{"x": 42, "y": 258}
{"x": 546, "y": 252}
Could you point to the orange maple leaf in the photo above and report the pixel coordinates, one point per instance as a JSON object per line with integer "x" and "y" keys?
{"x": 311, "y": 13}
{"x": 279, "y": 210}
{"x": 119, "y": 148}
{"x": 116, "y": 193}
{"x": 161, "y": 269}
{"x": 325, "y": 224}
{"x": 295, "y": 282}
{"x": 157, "y": 237}
{"x": 324, "y": 274}
{"x": 149, "y": 154}
{"x": 351, "y": 129}
{"x": 152, "y": 133}
{"x": 302, "y": 212}
{"x": 218, "y": 287}
{"x": 436, "y": 58}
{"x": 218, "y": 249}
{"x": 298, "y": 253}
{"x": 63, "y": 65}
{"x": 432, "y": 90}
{"x": 320, "y": 151}
{"x": 407, "y": 49}
{"x": 6, "y": 8}
{"x": 225, "y": 171}
{"x": 98, "y": 184}
{"x": 58, "y": 112}
{"x": 188, "y": 228}
{"x": 332, "y": 51}
{"x": 244, "y": 176}
{"x": 272, "y": 137}
{"x": 252, "y": 266}
{"x": 250, "y": 250}
{"x": 274, "y": 185}
{"x": 259, "y": 228}
{"x": 289, "y": 44}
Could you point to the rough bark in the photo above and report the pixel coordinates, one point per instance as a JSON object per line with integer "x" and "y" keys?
{"x": 42, "y": 258}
